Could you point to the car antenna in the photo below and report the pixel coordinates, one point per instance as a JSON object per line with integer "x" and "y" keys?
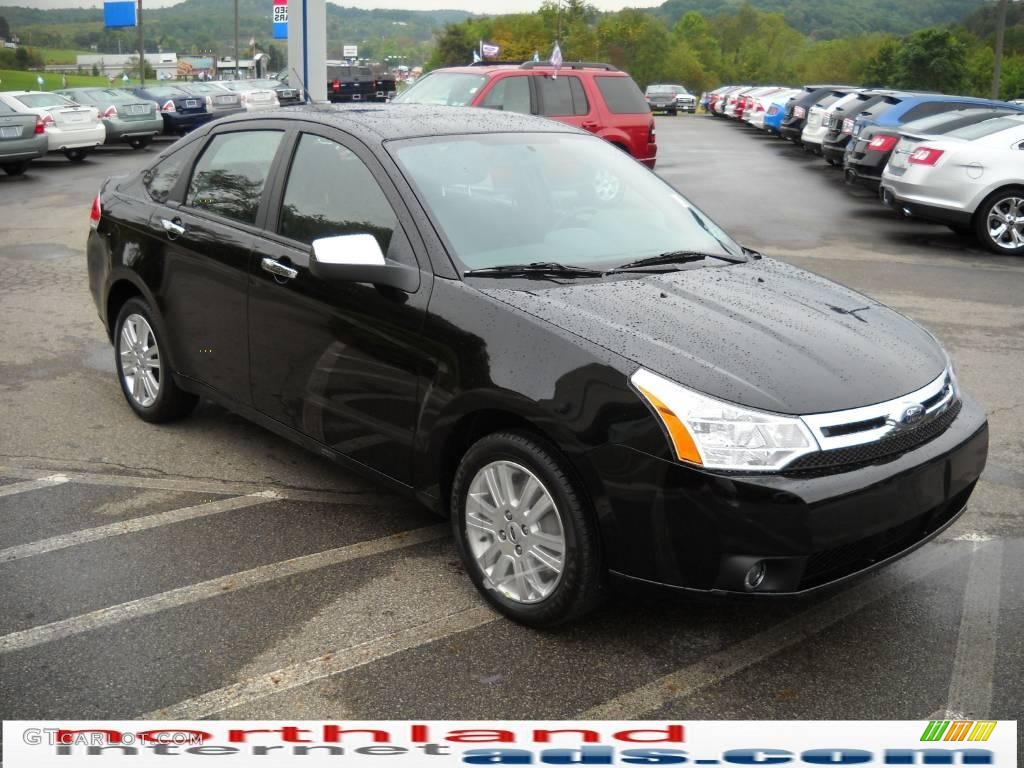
{"x": 308, "y": 99}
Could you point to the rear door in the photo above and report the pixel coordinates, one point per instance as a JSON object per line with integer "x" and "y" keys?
{"x": 338, "y": 362}
{"x": 563, "y": 98}
{"x": 207, "y": 239}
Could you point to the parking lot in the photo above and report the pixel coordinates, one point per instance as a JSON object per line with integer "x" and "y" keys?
{"x": 211, "y": 569}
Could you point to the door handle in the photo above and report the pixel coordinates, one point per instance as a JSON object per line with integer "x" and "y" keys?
{"x": 587, "y": 125}
{"x": 278, "y": 269}
{"x": 174, "y": 229}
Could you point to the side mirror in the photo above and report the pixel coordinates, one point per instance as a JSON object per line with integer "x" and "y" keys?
{"x": 359, "y": 259}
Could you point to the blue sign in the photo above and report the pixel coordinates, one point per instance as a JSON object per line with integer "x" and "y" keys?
{"x": 280, "y": 19}
{"x": 119, "y": 14}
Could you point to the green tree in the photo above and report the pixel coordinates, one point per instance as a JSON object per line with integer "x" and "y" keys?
{"x": 932, "y": 60}
{"x": 880, "y": 69}
{"x": 636, "y": 42}
{"x": 454, "y": 46}
{"x": 5, "y": 29}
{"x": 133, "y": 68}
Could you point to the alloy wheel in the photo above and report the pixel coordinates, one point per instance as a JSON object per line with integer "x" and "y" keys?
{"x": 140, "y": 360}
{"x": 514, "y": 531}
{"x": 1005, "y": 223}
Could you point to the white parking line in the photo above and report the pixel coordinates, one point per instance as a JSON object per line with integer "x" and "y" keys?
{"x": 331, "y": 663}
{"x": 46, "y": 481}
{"x": 735, "y": 658}
{"x": 193, "y": 593}
{"x": 974, "y": 665}
{"x": 21, "y": 551}
{"x": 361, "y": 494}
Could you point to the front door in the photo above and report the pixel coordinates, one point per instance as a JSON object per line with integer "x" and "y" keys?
{"x": 337, "y": 361}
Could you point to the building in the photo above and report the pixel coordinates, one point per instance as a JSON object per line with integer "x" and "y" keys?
{"x": 164, "y": 64}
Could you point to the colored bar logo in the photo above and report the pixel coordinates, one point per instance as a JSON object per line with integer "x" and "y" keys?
{"x": 958, "y": 730}
{"x": 280, "y": 18}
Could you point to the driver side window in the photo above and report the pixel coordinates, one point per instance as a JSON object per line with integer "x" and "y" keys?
{"x": 331, "y": 192}
{"x": 511, "y": 94}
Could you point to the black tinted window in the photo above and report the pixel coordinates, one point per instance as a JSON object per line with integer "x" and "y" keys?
{"x": 331, "y": 192}
{"x": 930, "y": 108}
{"x": 511, "y": 94}
{"x": 555, "y": 96}
{"x": 622, "y": 95}
{"x": 161, "y": 178}
{"x": 231, "y": 173}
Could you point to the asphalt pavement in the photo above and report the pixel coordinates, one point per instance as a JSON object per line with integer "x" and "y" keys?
{"x": 211, "y": 569}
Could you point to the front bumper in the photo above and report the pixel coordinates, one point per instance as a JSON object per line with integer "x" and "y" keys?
{"x": 678, "y": 526}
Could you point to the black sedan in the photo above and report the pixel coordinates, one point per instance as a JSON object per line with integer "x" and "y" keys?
{"x": 521, "y": 327}
{"x": 182, "y": 111}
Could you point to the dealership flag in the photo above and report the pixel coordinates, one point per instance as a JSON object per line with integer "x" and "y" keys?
{"x": 489, "y": 50}
{"x": 476, "y": 57}
{"x": 556, "y": 58}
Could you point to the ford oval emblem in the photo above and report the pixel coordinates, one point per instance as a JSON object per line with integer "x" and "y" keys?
{"x": 912, "y": 415}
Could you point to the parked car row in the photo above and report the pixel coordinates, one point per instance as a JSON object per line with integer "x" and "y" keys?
{"x": 955, "y": 160}
{"x": 75, "y": 121}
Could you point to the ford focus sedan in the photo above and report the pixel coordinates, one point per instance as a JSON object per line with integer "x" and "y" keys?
{"x": 528, "y": 331}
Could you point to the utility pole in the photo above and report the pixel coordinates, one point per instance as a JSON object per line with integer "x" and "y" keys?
{"x": 237, "y": 63}
{"x": 1000, "y": 33}
{"x": 142, "y": 47}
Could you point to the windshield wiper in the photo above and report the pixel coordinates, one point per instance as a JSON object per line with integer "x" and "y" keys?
{"x": 540, "y": 268}
{"x": 674, "y": 257}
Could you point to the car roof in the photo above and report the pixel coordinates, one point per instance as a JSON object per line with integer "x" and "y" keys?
{"x": 384, "y": 122}
{"x": 540, "y": 67}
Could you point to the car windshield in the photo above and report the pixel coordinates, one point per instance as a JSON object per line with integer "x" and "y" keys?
{"x": 663, "y": 89}
{"x": 550, "y": 197}
{"x": 454, "y": 89}
{"x": 987, "y": 128}
{"x": 44, "y": 100}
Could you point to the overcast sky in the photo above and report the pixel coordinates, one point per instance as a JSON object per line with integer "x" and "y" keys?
{"x": 481, "y": 6}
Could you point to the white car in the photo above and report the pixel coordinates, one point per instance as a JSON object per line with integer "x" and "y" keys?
{"x": 70, "y": 128}
{"x": 254, "y": 98}
{"x": 819, "y": 116}
{"x": 970, "y": 179}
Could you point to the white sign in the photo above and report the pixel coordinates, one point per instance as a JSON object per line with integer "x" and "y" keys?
{"x": 350, "y": 51}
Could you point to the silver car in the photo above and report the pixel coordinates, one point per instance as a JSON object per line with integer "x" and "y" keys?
{"x": 253, "y": 97}
{"x": 129, "y": 119}
{"x": 22, "y": 140}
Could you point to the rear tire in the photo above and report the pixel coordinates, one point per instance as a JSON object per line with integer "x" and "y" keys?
{"x": 139, "y": 143}
{"x": 531, "y": 546}
{"x": 144, "y": 369}
{"x": 999, "y": 221}
{"x": 76, "y": 155}
{"x": 16, "y": 169}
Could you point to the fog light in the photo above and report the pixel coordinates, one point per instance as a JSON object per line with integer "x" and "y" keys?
{"x": 755, "y": 576}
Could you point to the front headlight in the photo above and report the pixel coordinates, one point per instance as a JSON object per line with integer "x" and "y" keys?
{"x": 721, "y": 435}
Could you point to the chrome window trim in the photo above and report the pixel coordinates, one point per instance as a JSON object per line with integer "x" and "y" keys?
{"x": 891, "y": 411}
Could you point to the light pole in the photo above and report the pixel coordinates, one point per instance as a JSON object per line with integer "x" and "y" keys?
{"x": 142, "y": 47}
{"x": 1000, "y": 33}
{"x": 237, "y": 63}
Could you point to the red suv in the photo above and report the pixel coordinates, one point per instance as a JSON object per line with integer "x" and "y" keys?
{"x": 598, "y": 98}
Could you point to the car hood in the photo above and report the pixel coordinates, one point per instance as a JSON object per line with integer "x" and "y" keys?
{"x": 763, "y": 334}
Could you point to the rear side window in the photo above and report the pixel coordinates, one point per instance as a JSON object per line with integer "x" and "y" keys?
{"x": 562, "y": 96}
{"x": 986, "y": 128}
{"x": 622, "y": 95}
{"x": 510, "y": 94}
{"x": 231, "y": 173}
{"x": 161, "y": 178}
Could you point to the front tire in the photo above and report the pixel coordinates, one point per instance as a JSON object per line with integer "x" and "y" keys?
{"x": 524, "y": 530}
{"x": 999, "y": 223}
{"x": 143, "y": 369}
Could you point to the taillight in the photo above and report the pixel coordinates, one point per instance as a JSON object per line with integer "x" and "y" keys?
{"x": 336, "y": 86}
{"x": 41, "y": 124}
{"x": 168, "y": 106}
{"x": 925, "y": 156}
{"x": 650, "y": 133}
{"x": 773, "y": 110}
{"x": 94, "y": 214}
{"x": 209, "y": 102}
{"x": 883, "y": 143}
{"x": 109, "y": 113}
{"x": 848, "y": 125}
{"x": 799, "y": 112}
{"x": 760, "y": 107}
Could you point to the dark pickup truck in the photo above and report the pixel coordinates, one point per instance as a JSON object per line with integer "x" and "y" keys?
{"x": 347, "y": 83}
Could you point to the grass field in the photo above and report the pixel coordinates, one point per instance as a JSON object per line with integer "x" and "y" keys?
{"x": 59, "y": 55}
{"x": 15, "y": 80}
